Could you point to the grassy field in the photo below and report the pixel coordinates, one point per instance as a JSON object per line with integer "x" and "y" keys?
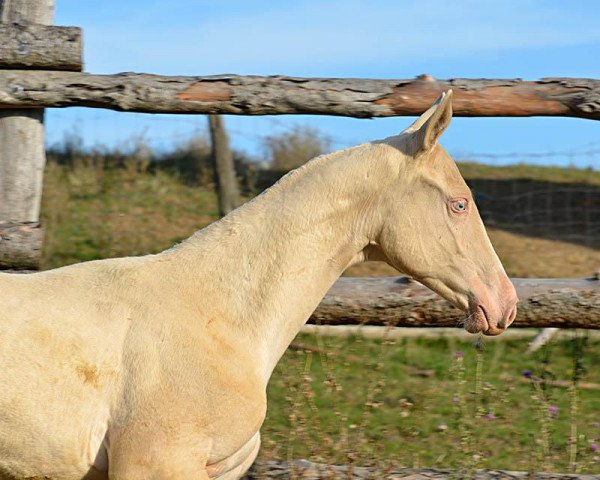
{"x": 440, "y": 403}
{"x": 414, "y": 402}
{"x": 533, "y": 172}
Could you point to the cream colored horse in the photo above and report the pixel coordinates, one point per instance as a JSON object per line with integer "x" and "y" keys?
{"x": 156, "y": 367}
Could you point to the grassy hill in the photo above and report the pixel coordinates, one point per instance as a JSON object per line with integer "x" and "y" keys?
{"x": 92, "y": 212}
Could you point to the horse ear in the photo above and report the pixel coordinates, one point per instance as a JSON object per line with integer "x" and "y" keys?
{"x": 429, "y": 126}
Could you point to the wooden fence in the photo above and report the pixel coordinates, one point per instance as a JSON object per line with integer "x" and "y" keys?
{"x": 304, "y": 470}
{"x": 41, "y": 66}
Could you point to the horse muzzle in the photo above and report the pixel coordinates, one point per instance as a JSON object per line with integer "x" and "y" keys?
{"x": 491, "y": 311}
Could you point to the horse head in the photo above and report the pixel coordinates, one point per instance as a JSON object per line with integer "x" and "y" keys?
{"x": 431, "y": 228}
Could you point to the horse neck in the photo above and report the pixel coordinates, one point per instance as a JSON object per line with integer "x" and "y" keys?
{"x": 274, "y": 259}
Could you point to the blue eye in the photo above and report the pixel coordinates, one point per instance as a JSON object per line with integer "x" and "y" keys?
{"x": 459, "y": 205}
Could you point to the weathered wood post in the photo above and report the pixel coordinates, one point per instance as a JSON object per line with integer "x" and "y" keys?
{"x": 22, "y": 154}
{"x": 226, "y": 183}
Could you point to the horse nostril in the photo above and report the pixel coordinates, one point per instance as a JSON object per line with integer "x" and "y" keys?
{"x": 513, "y": 315}
{"x": 508, "y": 318}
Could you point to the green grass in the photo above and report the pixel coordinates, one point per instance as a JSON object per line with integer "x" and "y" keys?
{"x": 91, "y": 213}
{"x": 414, "y": 403}
{"x": 472, "y": 170}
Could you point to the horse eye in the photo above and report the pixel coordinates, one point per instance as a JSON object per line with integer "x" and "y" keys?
{"x": 459, "y": 205}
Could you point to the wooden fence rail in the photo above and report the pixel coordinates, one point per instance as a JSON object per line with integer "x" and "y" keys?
{"x": 43, "y": 47}
{"x": 20, "y": 245}
{"x": 254, "y": 95}
{"x": 398, "y": 301}
{"x": 305, "y": 470}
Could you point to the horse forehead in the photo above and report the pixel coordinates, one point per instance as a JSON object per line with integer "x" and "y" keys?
{"x": 442, "y": 167}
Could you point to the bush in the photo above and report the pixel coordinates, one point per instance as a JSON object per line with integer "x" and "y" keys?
{"x": 291, "y": 149}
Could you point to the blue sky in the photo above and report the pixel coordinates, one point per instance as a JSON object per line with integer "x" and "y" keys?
{"x": 341, "y": 38}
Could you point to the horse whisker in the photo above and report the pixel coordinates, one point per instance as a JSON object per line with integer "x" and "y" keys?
{"x": 460, "y": 322}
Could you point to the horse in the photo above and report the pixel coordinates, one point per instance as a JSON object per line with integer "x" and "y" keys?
{"x": 156, "y": 367}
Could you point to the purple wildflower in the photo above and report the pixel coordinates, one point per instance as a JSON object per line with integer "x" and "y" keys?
{"x": 459, "y": 354}
{"x": 490, "y": 416}
{"x": 527, "y": 373}
{"x": 594, "y": 447}
{"x": 553, "y": 410}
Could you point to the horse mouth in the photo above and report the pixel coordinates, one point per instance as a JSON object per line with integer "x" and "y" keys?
{"x": 479, "y": 322}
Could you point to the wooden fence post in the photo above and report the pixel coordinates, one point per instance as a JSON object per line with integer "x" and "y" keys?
{"x": 226, "y": 183}
{"x": 22, "y": 153}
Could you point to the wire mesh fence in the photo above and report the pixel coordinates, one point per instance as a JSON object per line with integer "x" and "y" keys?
{"x": 561, "y": 211}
